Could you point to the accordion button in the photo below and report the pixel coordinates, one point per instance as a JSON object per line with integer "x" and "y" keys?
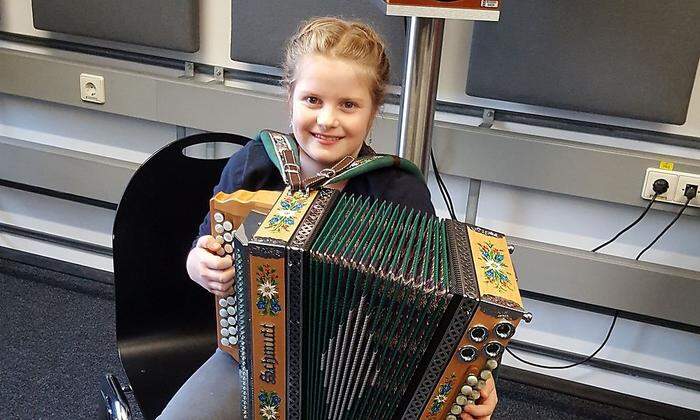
{"x": 485, "y": 374}
{"x": 232, "y": 320}
{"x": 461, "y": 400}
{"x": 233, "y": 330}
{"x": 219, "y": 228}
{"x": 223, "y": 312}
{"x": 228, "y": 249}
{"x": 223, "y": 303}
{"x": 221, "y": 252}
{"x": 231, "y": 300}
{"x": 225, "y": 342}
{"x": 218, "y": 217}
{"x": 481, "y": 384}
{"x": 219, "y": 239}
{"x": 466, "y": 390}
{"x": 224, "y": 332}
{"x": 491, "y": 364}
{"x": 228, "y": 237}
{"x": 233, "y": 340}
{"x": 231, "y": 310}
{"x": 475, "y": 395}
{"x": 451, "y": 417}
{"x": 224, "y": 322}
{"x": 472, "y": 380}
{"x": 455, "y": 409}
{"x": 228, "y": 226}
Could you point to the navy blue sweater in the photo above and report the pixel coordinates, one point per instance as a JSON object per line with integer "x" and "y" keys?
{"x": 251, "y": 169}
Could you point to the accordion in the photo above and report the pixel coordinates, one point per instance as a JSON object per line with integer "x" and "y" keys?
{"x": 349, "y": 307}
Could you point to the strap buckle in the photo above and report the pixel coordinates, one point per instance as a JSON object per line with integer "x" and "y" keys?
{"x": 291, "y": 167}
{"x": 327, "y": 172}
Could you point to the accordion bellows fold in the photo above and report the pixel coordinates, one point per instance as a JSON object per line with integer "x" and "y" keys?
{"x": 347, "y": 307}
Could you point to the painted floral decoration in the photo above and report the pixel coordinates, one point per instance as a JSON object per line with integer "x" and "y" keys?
{"x": 269, "y": 405}
{"x": 441, "y": 397}
{"x": 494, "y": 267}
{"x": 290, "y": 205}
{"x": 268, "y": 301}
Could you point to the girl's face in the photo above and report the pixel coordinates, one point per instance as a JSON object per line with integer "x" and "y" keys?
{"x": 332, "y": 110}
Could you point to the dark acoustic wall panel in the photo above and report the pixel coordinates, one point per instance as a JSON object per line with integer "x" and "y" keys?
{"x": 628, "y": 58}
{"x": 260, "y": 29}
{"x": 170, "y": 24}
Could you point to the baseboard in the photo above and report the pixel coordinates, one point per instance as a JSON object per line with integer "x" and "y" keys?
{"x": 592, "y": 393}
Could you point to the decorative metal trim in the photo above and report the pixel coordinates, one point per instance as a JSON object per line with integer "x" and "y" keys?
{"x": 266, "y": 248}
{"x": 244, "y": 324}
{"x": 440, "y": 358}
{"x": 463, "y": 278}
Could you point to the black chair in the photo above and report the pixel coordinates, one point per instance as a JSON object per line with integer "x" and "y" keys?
{"x": 164, "y": 321}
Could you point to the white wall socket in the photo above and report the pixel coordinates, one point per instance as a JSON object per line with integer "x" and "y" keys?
{"x": 677, "y": 182}
{"x": 92, "y": 88}
{"x": 683, "y": 181}
{"x": 652, "y": 175}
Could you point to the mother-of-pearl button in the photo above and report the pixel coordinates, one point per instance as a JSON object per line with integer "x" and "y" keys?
{"x": 224, "y": 323}
{"x": 233, "y": 340}
{"x": 223, "y": 302}
{"x": 224, "y": 332}
{"x": 228, "y": 249}
{"x": 223, "y": 312}
{"x": 231, "y": 310}
{"x": 231, "y": 300}
{"x": 461, "y": 400}
{"x": 228, "y": 225}
{"x": 219, "y": 228}
{"x": 220, "y": 239}
{"x": 224, "y": 341}
{"x": 456, "y": 409}
{"x": 218, "y": 217}
{"x": 466, "y": 390}
{"x": 232, "y": 320}
{"x": 451, "y": 417}
{"x": 232, "y": 330}
{"x": 228, "y": 237}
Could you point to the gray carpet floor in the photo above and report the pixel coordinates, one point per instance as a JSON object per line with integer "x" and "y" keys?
{"x": 58, "y": 338}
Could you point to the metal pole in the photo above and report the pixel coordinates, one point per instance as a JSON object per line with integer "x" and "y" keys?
{"x": 422, "y": 66}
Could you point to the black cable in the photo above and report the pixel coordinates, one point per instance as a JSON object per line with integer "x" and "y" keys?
{"x": 641, "y": 216}
{"x": 443, "y": 188}
{"x": 610, "y": 330}
{"x": 685, "y": 206}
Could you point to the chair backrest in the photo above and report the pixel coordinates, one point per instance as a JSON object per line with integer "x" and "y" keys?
{"x": 165, "y": 322}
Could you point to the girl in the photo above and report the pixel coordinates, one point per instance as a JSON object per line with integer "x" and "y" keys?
{"x": 335, "y": 73}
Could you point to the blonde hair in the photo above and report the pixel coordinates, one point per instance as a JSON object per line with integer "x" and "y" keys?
{"x": 338, "y": 38}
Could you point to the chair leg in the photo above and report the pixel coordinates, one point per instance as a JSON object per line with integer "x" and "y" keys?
{"x": 114, "y": 405}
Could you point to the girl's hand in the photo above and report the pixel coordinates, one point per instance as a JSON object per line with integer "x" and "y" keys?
{"x": 487, "y": 404}
{"x": 209, "y": 270}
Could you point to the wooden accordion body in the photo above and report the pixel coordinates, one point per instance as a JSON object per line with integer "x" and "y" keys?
{"x": 346, "y": 307}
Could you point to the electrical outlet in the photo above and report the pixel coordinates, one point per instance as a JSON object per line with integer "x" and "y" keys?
{"x": 683, "y": 181}
{"x": 92, "y": 88}
{"x": 652, "y": 175}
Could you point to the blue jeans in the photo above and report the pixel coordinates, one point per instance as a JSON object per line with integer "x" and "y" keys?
{"x": 212, "y": 392}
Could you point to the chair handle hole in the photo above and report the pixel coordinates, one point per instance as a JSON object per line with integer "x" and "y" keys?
{"x": 211, "y": 150}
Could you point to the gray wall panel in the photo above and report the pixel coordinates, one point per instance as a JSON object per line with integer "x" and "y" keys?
{"x": 260, "y": 29}
{"x": 643, "y": 288}
{"x": 75, "y": 175}
{"x": 157, "y": 23}
{"x": 547, "y": 164}
{"x": 629, "y": 58}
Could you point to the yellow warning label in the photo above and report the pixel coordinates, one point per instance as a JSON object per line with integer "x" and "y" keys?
{"x": 666, "y": 165}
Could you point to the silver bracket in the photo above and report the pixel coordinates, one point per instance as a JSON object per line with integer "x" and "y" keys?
{"x": 488, "y": 118}
{"x": 189, "y": 70}
{"x": 219, "y": 74}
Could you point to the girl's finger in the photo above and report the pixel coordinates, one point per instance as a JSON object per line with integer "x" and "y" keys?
{"x": 465, "y": 416}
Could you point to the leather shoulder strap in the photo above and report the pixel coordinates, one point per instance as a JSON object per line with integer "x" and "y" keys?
{"x": 282, "y": 151}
